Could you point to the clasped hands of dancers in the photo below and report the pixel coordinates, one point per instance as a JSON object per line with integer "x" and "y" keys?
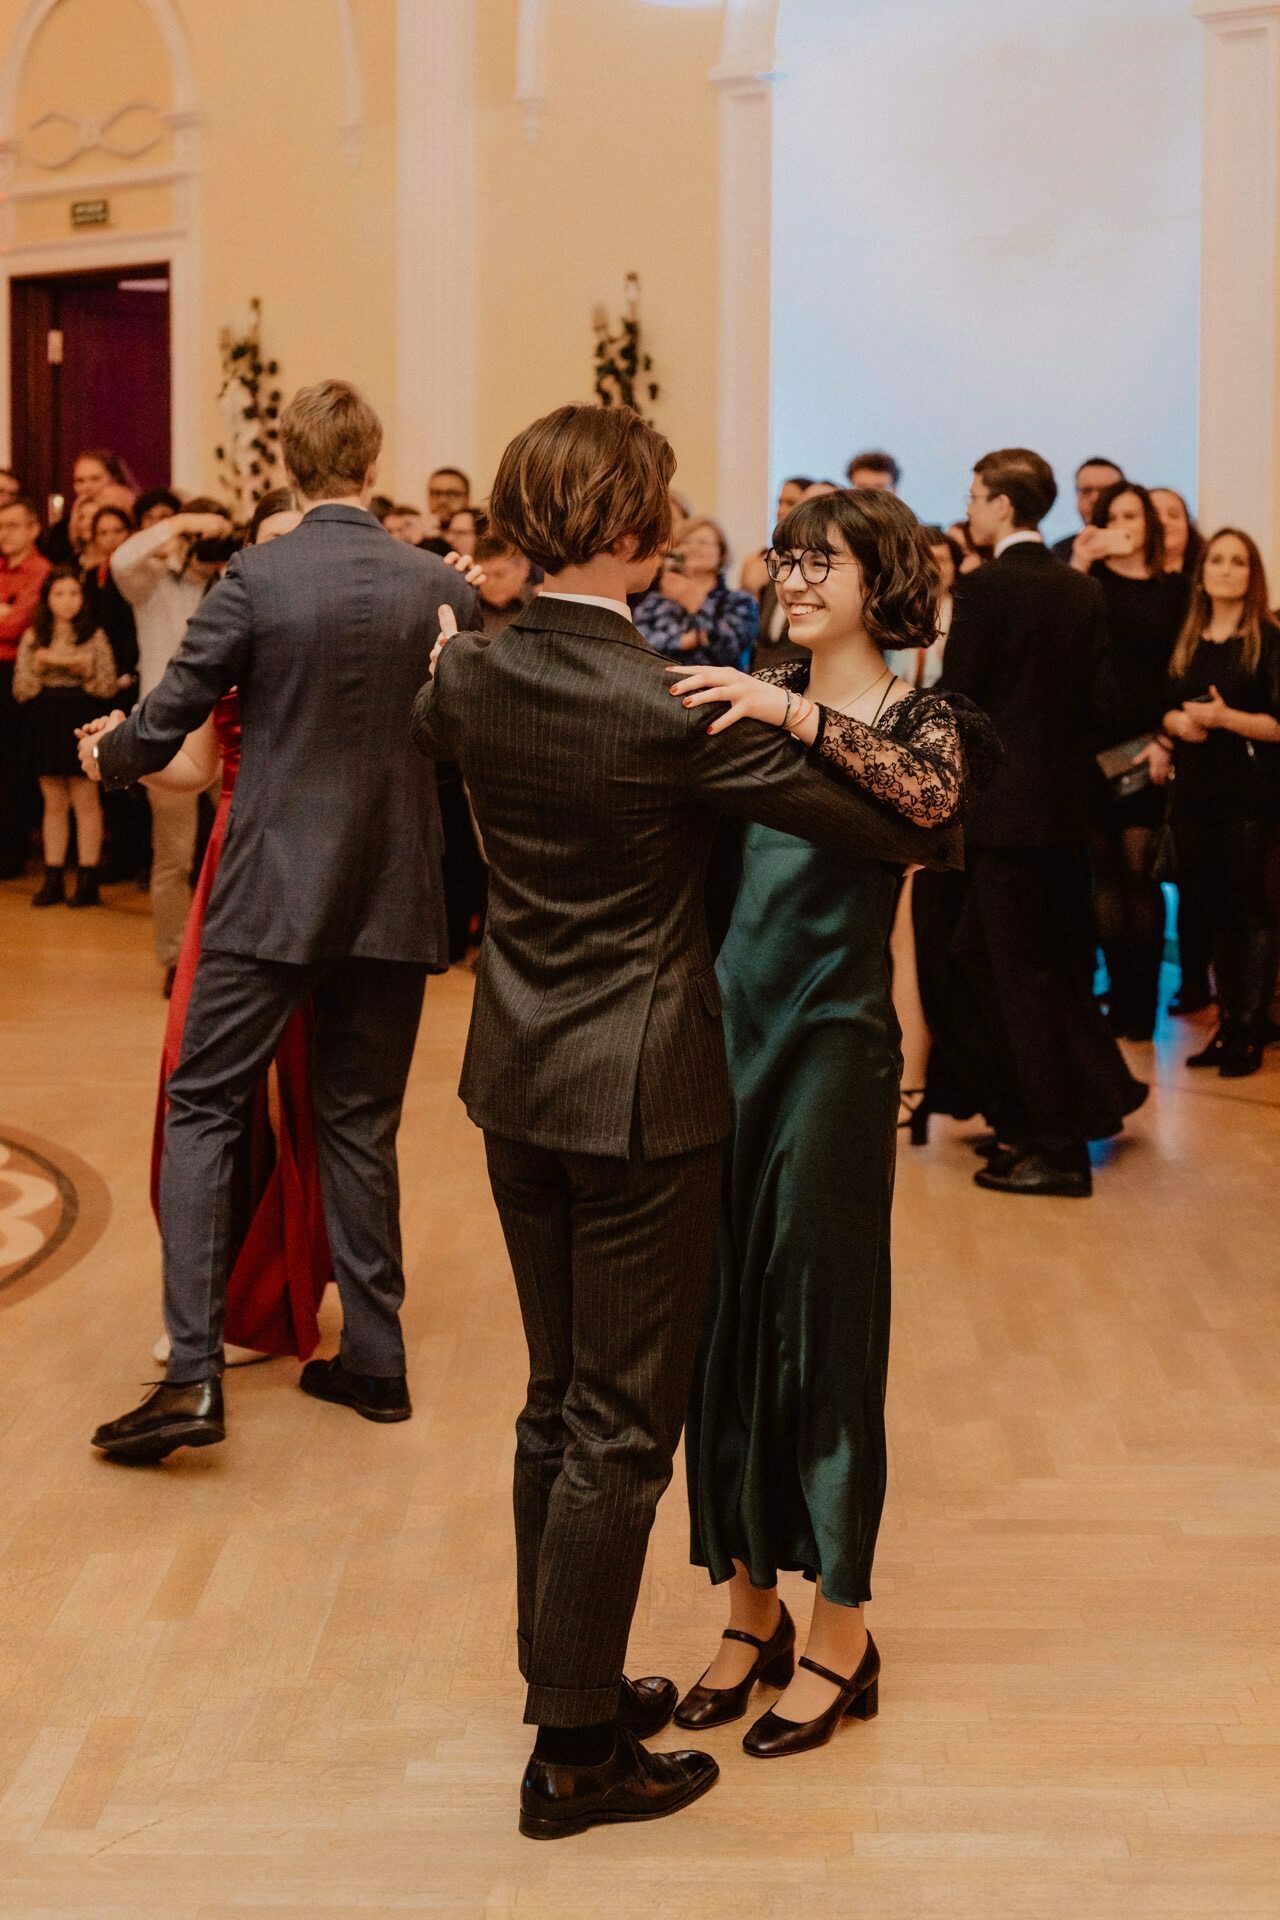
{"x": 691, "y": 1160}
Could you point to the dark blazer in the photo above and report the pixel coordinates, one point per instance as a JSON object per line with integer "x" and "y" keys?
{"x": 333, "y": 845}
{"x": 1029, "y": 644}
{"x": 597, "y": 794}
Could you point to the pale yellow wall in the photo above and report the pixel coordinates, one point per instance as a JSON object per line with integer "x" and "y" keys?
{"x": 284, "y": 214}
{"x": 624, "y": 175}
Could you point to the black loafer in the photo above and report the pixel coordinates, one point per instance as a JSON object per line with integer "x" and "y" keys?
{"x": 169, "y": 1417}
{"x": 373, "y": 1396}
{"x": 646, "y": 1705}
{"x": 1066, "y": 1175}
{"x": 858, "y": 1699}
{"x": 633, "y": 1784}
{"x": 775, "y": 1663}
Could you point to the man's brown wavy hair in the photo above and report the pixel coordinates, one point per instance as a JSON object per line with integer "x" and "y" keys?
{"x": 901, "y": 585}
{"x": 578, "y": 481}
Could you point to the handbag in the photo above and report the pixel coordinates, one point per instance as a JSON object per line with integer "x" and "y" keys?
{"x": 1123, "y": 771}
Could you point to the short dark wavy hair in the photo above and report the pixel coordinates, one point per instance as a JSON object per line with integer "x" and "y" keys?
{"x": 578, "y": 481}
{"x": 901, "y": 584}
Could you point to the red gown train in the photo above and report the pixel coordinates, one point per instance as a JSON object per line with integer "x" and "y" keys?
{"x": 283, "y": 1265}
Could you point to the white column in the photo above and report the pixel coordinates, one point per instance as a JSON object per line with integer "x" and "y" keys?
{"x": 1239, "y": 339}
{"x": 745, "y": 79}
{"x": 435, "y": 258}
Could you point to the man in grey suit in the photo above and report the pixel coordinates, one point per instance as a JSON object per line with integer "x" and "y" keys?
{"x": 328, "y": 887}
{"x": 596, "y": 1063}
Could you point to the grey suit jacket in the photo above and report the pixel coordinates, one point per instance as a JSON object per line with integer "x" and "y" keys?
{"x": 333, "y": 846}
{"x": 597, "y": 794}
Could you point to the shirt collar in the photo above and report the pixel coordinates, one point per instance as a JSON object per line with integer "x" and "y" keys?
{"x": 590, "y": 600}
{"x": 1016, "y": 539}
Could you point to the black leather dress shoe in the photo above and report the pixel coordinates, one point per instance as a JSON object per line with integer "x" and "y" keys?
{"x": 858, "y": 1699}
{"x": 372, "y": 1395}
{"x": 1066, "y": 1175}
{"x": 775, "y": 1662}
{"x": 169, "y": 1417}
{"x": 646, "y": 1705}
{"x": 633, "y": 1784}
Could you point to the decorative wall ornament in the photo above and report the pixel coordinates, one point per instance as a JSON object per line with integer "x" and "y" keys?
{"x": 623, "y": 368}
{"x": 58, "y": 139}
{"x": 249, "y": 401}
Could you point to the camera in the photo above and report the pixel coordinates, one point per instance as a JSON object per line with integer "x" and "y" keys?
{"x": 674, "y": 563}
{"x": 216, "y": 553}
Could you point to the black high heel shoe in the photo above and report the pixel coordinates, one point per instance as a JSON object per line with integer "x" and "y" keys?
{"x": 775, "y": 1664}
{"x": 913, "y": 1114}
{"x": 858, "y": 1699}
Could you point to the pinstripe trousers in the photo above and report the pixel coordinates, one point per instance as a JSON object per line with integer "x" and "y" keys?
{"x": 613, "y": 1261}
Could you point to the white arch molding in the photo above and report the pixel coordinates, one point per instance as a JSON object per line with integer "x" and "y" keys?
{"x": 744, "y": 77}
{"x": 178, "y": 243}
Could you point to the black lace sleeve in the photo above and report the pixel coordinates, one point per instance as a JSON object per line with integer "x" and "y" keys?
{"x": 915, "y": 766}
{"x": 792, "y": 674}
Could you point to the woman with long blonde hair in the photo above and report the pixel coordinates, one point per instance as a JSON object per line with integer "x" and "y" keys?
{"x": 1223, "y": 731}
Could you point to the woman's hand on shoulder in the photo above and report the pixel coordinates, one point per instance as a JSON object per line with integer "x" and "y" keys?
{"x": 448, "y": 628}
{"x": 747, "y": 698}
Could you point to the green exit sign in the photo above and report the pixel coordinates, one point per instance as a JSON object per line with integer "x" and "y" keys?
{"x": 89, "y": 213}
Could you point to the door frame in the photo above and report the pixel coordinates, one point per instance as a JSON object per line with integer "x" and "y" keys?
{"x": 106, "y": 253}
{"x": 33, "y": 471}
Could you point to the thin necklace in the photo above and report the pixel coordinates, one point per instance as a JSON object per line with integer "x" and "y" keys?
{"x": 886, "y": 675}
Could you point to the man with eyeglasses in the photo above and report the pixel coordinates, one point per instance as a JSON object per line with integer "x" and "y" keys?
{"x": 448, "y": 492}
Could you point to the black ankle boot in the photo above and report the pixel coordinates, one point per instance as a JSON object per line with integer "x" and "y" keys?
{"x": 52, "y": 893}
{"x": 86, "y": 893}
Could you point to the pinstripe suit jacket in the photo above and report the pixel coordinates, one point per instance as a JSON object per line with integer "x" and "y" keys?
{"x": 333, "y": 845}
{"x": 597, "y": 794}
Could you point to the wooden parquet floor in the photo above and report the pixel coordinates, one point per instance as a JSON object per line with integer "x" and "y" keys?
{"x": 275, "y": 1681}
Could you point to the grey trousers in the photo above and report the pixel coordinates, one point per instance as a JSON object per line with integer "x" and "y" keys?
{"x": 613, "y": 1262}
{"x": 367, "y": 1014}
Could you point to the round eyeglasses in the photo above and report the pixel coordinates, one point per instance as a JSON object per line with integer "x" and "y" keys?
{"x": 814, "y": 566}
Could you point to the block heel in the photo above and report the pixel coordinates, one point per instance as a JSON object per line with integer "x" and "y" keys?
{"x": 867, "y": 1704}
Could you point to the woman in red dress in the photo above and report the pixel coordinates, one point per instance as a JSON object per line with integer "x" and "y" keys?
{"x": 283, "y": 1265}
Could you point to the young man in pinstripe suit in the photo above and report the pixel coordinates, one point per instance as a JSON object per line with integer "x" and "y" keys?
{"x": 596, "y": 1064}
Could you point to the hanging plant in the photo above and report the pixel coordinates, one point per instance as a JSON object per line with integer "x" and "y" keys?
{"x": 624, "y": 371}
{"x": 249, "y": 402}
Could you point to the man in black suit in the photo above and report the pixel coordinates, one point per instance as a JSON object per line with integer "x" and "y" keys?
{"x": 328, "y": 887}
{"x": 596, "y": 1063}
{"x": 1029, "y": 644}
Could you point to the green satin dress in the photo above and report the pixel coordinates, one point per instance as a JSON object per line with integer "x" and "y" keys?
{"x": 785, "y": 1445}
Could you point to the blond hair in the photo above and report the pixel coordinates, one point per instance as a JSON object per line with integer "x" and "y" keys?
{"x": 330, "y": 437}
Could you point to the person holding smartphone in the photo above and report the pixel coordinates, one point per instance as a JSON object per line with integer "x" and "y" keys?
{"x": 164, "y": 574}
{"x": 1146, "y": 608}
{"x": 693, "y": 614}
{"x": 1223, "y": 728}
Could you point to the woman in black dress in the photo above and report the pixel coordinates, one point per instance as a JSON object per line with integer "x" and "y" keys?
{"x": 1224, "y": 724}
{"x": 1145, "y": 610}
{"x": 64, "y": 675}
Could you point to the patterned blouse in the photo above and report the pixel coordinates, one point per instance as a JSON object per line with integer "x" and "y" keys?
{"x": 29, "y": 678}
{"x": 728, "y": 620}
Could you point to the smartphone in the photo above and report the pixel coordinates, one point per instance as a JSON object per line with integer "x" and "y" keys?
{"x": 674, "y": 563}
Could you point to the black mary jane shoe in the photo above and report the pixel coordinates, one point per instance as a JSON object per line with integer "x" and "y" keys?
{"x": 169, "y": 1417}
{"x": 1210, "y": 1055}
{"x": 858, "y": 1699}
{"x": 373, "y": 1396}
{"x": 645, "y": 1706}
{"x": 557, "y": 1800}
{"x": 775, "y": 1662}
